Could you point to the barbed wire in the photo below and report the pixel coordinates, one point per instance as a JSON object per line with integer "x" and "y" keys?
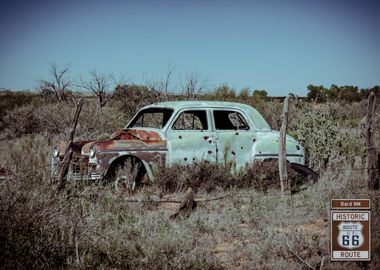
{"x": 229, "y": 195}
{"x": 240, "y": 191}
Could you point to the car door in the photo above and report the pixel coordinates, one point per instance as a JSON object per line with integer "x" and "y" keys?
{"x": 190, "y": 137}
{"x": 234, "y": 137}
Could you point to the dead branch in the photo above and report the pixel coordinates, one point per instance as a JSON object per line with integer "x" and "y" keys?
{"x": 160, "y": 86}
{"x": 188, "y": 204}
{"x": 103, "y": 86}
{"x": 166, "y": 81}
{"x": 59, "y": 82}
{"x": 322, "y": 262}
{"x": 64, "y": 165}
{"x": 193, "y": 85}
{"x": 297, "y": 256}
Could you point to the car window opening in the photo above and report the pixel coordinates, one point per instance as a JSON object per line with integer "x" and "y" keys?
{"x": 229, "y": 120}
{"x": 152, "y": 118}
{"x": 191, "y": 120}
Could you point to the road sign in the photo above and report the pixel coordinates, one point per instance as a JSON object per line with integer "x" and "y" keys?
{"x": 350, "y": 231}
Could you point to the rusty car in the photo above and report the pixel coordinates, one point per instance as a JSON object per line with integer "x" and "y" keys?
{"x": 179, "y": 132}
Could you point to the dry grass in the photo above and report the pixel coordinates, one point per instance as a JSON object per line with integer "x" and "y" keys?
{"x": 250, "y": 227}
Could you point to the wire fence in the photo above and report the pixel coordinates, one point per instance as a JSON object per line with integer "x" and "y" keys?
{"x": 242, "y": 191}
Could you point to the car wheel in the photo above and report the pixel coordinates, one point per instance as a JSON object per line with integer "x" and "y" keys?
{"x": 129, "y": 176}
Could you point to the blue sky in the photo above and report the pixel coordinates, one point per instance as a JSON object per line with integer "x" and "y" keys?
{"x": 279, "y": 46}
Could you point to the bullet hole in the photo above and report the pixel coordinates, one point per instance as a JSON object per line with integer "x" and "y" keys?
{"x": 233, "y": 153}
{"x": 180, "y": 136}
{"x": 206, "y": 137}
{"x": 241, "y": 147}
{"x": 185, "y": 159}
{"x": 209, "y": 152}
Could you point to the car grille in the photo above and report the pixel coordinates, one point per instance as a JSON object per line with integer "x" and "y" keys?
{"x": 78, "y": 170}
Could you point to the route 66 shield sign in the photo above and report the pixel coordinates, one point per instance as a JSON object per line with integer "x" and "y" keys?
{"x": 350, "y": 235}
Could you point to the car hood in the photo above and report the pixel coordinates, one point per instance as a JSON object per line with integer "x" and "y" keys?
{"x": 136, "y": 138}
{"x": 77, "y": 147}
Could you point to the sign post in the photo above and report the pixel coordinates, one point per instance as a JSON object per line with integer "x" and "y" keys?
{"x": 350, "y": 230}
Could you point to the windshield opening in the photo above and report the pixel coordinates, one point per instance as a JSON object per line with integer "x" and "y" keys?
{"x": 258, "y": 121}
{"x": 151, "y": 118}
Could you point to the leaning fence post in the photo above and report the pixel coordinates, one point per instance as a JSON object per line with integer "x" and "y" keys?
{"x": 373, "y": 181}
{"x": 282, "y": 163}
{"x": 64, "y": 166}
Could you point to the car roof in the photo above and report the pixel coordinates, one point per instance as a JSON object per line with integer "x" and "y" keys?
{"x": 177, "y": 105}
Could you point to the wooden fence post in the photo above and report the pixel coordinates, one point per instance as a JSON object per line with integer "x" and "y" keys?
{"x": 282, "y": 163}
{"x": 65, "y": 164}
{"x": 373, "y": 180}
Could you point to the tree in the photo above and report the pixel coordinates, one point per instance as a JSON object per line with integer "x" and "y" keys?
{"x": 244, "y": 93}
{"x": 224, "y": 92}
{"x": 317, "y": 93}
{"x": 132, "y": 97}
{"x": 193, "y": 85}
{"x": 164, "y": 87}
{"x": 102, "y": 85}
{"x": 161, "y": 86}
{"x": 260, "y": 94}
{"x": 59, "y": 82}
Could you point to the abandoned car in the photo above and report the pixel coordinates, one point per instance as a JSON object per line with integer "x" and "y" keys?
{"x": 181, "y": 132}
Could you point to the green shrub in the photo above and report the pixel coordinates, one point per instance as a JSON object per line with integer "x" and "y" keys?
{"x": 317, "y": 131}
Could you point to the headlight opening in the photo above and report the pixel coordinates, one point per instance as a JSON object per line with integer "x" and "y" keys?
{"x": 92, "y": 151}
{"x": 55, "y": 152}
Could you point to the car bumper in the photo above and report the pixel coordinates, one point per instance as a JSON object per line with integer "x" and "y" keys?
{"x": 78, "y": 170}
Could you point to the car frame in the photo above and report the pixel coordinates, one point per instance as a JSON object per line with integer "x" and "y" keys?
{"x": 213, "y": 131}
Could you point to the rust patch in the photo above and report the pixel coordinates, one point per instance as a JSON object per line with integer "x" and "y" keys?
{"x": 77, "y": 147}
{"x": 133, "y": 134}
{"x": 150, "y": 157}
{"x": 131, "y": 145}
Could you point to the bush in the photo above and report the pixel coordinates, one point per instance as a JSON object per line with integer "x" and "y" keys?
{"x": 265, "y": 175}
{"x": 21, "y": 121}
{"x": 130, "y": 98}
{"x": 40, "y": 229}
{"x": 203, "y": 175}
{"x": 10, "y": 100}
{"x": 321, "y": 144}
{"x": 211, "y": 176}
